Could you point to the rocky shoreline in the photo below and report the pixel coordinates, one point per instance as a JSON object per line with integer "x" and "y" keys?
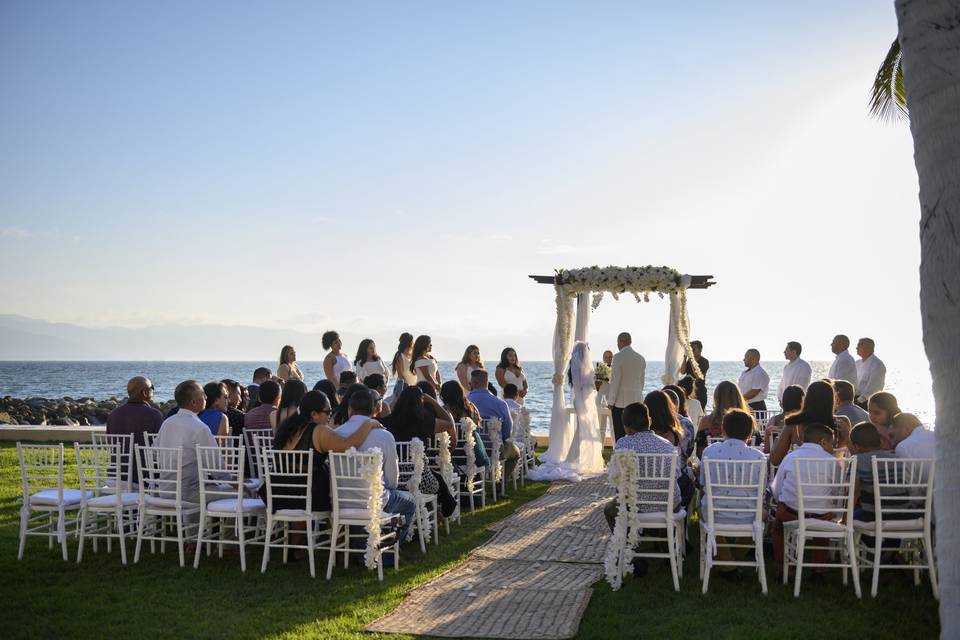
{"x": 66, "y": 411}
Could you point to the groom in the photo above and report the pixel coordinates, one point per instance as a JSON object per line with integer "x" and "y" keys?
{"x": 626, "y": 381}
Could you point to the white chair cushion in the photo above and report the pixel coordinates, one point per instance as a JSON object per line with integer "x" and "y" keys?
{"x": 49, "y": 497}
{"x": 228, "y": 505}
{"x": 364, "y": 515}
{"x": 253, "y": 484}
{"x": 813, "y": 524}
{"x": 170, "y": 503}
{"x": 126, "y": 499}
{"x": 300, "y": 513}
{"x": 891, "y": 525}
{"x": 658, "y": 516}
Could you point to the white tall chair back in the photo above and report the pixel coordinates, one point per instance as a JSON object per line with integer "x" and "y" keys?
{"x": 657, "y": 475}
{"x": 734, "y": 491}
{"x": 825, "y": 486}
{"x": 349, "y": 487}
{"x": 97, "y": 469}
{"x": 229, "y": 441}
{"x": 221, "y": 473}
{"x": 903, "y": 488}
{"x": 41, "y": 469}
{"x": 161, "y": 473}
{"x": 41, "y": 477}
{"x": 121, "y": 449}
{"x": 288, "y": 475}
{"x": 150, "y": 439}
{"x": 256, "y": 445}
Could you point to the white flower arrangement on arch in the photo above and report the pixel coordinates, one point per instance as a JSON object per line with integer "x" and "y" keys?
{"x": 624, "y": 471}
{"x": 638, "y": 281}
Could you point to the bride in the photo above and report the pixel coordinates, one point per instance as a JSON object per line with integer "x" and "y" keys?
{"x": 576, "y": 451}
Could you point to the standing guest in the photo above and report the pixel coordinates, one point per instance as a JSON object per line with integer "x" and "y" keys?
{"x": 335, "y": 362}
{"x": 423, "y": 364}
{"x": 328, "y": 389}
{"x": 136, "y": 416}
{"x": 701, "y": 381}
{"x": 818, "y": 408}
{"x": 260, "y": 375}
{"x": 368, "y": 361}
{"x": 845, "y": 406}
{"x": 738, "y": 428}
{"x": 290, "y": 398}
{"x": 843, "y": 367}
{"x": 510, "y": 397}
{"x": 694, "y": 406}
{"x": 509, "y": 371}
{"x": 377, "y": 382}
{"x": 818, "y": 445}
{"x": 412, "y": 419}
{"x": 882, "y": 409}
{"x": 754, "y": 383}
{"x": 214, "y": 414}
{"x": 491, "y": 406}
{"x": 395, "y": 499}
{"x": 403, "y": 359}
{"x": 871, "y": 372}
{"x": 184, "y": 430}
{"x": 470, "y": 362}
{"x": 626, "y": 381}
{"x": 726, "y": 396}
{"x": 269, "y": 400}
{"x": 792, "y": 403}
{"x": 288, "y": 368}
{"x": 912, "y": 439}
{"x": 460, "y": 407}
{"x": 796, "y": 371}
{"x": 234, "y": 401}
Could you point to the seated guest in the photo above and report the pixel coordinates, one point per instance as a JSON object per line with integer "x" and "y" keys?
{"x": 245, "y": 401}
{"x": 411, "y": 418}
{"x": 378, "y": 383}
{"x": 234, "y": 401}
{"x": 726, "y": 396}
{"x": 639, "y": 438}
{"x": 792, "y": 403}
{"x": 214, "y": 415}
{"x": 679, "y": 400}
{"x": 460, "y": 407}
{"x": 694, "y": 408}
{"x": 269, "y": 400}
{"x": 817, "y": 444}
{"x": 136, "y": 416}
{"x": 912, "y": 440}
{"x": 184, "y": 430}
{"x": 328, "y": 389}
{"x": 293, "y": 391}
{"x": 260, "y": 375}
{"x": 738, "y": 428}
{"x": 845, "y": 405}
{"x": 510, "y": 392}
{"x": 492, "y": 389}
{"x": 396, "y": 500}
{"x": 817, "y": 408}
{"x": 866, "y": 445}
{"x": 491, "y": 406}
{"x": 347, "y": 378}
{"x": 664, "y": 423}
{"x": 342, "y": 412}
{"x": 882, "y": 408}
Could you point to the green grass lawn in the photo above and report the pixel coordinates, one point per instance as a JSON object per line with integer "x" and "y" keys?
{"x": 43, "y": 597}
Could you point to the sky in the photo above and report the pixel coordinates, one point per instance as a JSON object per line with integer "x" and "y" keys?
{"x": 384, "y": 167}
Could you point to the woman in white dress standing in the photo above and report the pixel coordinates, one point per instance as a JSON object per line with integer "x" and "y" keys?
{"x": 368, "y": 361}
{"x": 335, "y": 363}
{"x": 509, "y": 371}
{"x": 470, "y": 362}
{"x": 401, "y": 360}
{"x": 424, "y": 364}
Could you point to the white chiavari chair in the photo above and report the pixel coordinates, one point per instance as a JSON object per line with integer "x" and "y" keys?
{"x": 106, "y": 511}
{"x": 47, "y": 502}
{"x": 411, "y": 458}
{"x": 161, "y": 500}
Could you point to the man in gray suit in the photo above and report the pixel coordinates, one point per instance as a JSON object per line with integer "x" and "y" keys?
{"x": 626, "y": 381}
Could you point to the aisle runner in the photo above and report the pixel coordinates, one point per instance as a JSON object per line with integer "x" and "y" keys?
{"x": 531, "y": 580}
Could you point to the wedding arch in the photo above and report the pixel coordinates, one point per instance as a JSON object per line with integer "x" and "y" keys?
{"x": 588, "y": 286}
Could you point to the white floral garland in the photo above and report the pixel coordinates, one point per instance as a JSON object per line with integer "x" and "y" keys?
{"x": 446, "y": 462}
{"x": 683, "y": 333}
{"x": 639, "y": 281}
{"x": 624, "y": 471}
{"x": 529, "y": 441}
{"x": 372, "y": 472}
{"x": 417, "y": 452}
{"x": 469, "y": 427}
{"x": 494, "y": 430}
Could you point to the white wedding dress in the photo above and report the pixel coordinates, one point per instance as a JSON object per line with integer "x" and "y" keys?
{"x": 576, "y": 452}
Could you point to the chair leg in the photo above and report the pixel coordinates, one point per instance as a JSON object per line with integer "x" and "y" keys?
{"x": 931, "y": 563}
{"x": 877, "y": 550}
{"x": 241, "y": 542}
{"x": 786, "y": 557}
{"x": 83, "y": 531}
{"x": 24, "y": 517}
{"x": 201, "y": 535}
{"x": 334, "y": 538}
{"x": 62, "y": 532}
{"x": 120, "y": 536}
{"x": 180, "y": 549}
{"x": 309, "y": 527}
{"x": 761, "y": 568}
{"x": 801, "y": 541}
{"x": 672, "y": 550}
{"x": 141, "y": 524}
{"x": 286, "y": 540}
{"x": 421, "y": 526}
{"x": 854, "y": 569}
{"x": 267, "y": 535}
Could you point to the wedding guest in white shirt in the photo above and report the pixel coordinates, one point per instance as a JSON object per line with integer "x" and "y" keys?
{"x": 509, "y": 371}
{"x": 368, "y": 361}
{"x": 754, "y": 383}
{"x": 184, "y": 430}
{"x": 796, "y": 371}
{"x": 335, "y": 362}
{"x": 912, "y": 439}
{"x": 401, "y": 360}
{"x": 871, "y": 372}
{"x": 843, "y": 367}
{"x": 424, "y": 365}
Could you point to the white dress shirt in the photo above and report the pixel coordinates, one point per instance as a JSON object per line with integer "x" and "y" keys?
{"x": 921, "y": 443}
{"x": 729, "y": 449}
{"x": 379, "y": 438}
{"x": 626, "y": 378}
{"x": 844, "y": 368}
{"x": 784, "y": 484}
{"x": 186, "y": 431}
{"x": 871, "y": 375}
{"x": 755, "y": 378}
{"x": 794, "y": 373}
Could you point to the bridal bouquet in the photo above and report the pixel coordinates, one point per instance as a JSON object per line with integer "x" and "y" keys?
{"x": 601, "y": 372}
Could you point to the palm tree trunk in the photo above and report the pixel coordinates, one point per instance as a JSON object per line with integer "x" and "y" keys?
{"x": 930, "y": 40}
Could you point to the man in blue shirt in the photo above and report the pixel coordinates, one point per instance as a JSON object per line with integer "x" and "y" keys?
{"x": 490, "y": 406}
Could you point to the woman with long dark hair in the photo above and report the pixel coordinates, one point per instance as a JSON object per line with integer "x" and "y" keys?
{"x": 293, "y": 392}
{"x": 288, "y": 368}
{"x": 328, "y": 389}
{"x": 883, "y": 410}
{"x": 460, "y": 407}
{"x": 470, "y": 362}
{"x": 341, "y": 413}
{"x": 791, "y": 403}
{"x": 368, "y": 361}
{"x": 335, "y": 362}
{"x": 402, "y": 359}
{"x": 417, "y": 415}
{"x": 679, "y": 400}
{"x": 818, "y": 406}
{"x": 664, "y": 423}
{"x": 214, "y": 415}
{"x": 509, "y": 371}
{"x": 423, "y": 364}
{"x": 726, "y": 396}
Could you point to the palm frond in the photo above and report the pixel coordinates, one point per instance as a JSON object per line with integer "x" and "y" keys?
{"x": 887, "y": 99}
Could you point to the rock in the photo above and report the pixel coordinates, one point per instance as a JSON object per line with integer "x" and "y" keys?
{"x": 101, "y": 415}
{"x": 6, "y": 418}
{"x": 66, "y": 422}
{"x": 37, "y": 403}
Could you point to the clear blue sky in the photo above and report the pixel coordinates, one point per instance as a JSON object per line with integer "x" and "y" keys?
{"x": 376, "y": 167}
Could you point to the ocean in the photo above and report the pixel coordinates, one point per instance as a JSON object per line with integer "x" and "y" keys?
{"x": 101, "y": 380}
